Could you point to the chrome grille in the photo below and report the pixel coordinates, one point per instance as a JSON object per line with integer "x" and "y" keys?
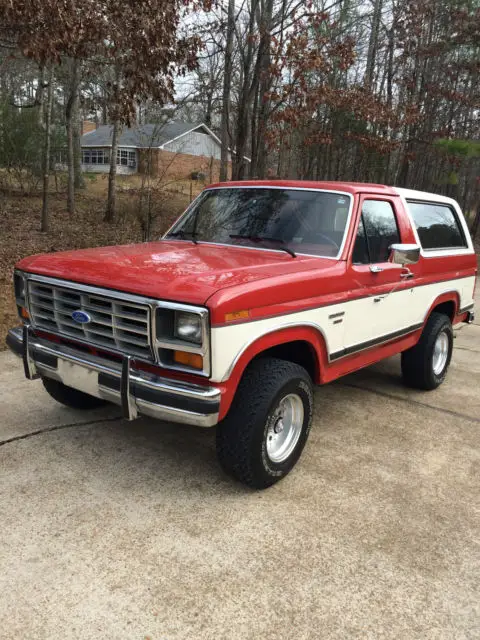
{"x": 115, "y": 324}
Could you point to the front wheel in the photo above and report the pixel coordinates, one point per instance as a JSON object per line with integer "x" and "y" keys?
{"x": 425, "y": 365}
{"x": 266, "y": 429}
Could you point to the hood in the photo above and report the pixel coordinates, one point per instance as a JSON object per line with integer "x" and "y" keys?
{"x": 169, "y": 270}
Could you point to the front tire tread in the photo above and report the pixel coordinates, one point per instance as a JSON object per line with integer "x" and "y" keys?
{"x": 238, "y": 435}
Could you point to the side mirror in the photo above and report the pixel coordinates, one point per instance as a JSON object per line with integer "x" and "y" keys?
{"x": 404, "y": 253}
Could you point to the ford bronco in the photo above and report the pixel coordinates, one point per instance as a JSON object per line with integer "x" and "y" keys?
{"x": 259, "y": 291}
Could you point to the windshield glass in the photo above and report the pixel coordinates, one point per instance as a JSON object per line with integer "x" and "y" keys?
{"x": 311, "y": 222}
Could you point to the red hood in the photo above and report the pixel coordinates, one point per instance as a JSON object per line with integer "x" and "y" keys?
{"x": 169, "y": 270}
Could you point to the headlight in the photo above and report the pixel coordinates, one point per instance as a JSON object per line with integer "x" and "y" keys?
{"x": 182, "y": 337}
{"x": 188, "y": 326}
{"x": 19, "y": 282}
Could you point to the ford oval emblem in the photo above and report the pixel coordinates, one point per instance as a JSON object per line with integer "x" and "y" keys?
{"x": 81, "y": 317}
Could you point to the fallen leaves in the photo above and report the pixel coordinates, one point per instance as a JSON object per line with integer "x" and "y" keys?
{"x": 20, "y": 235}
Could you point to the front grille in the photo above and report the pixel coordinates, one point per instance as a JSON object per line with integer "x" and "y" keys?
{"x": 115, "y": 324}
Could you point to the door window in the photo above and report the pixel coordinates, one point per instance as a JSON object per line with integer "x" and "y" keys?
{"x": 377, "y": 231}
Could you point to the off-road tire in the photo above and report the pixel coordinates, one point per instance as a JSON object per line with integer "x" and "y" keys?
{"x": 241, "y": 436}
{"x": 417, "y": 362}
{"x": 71, "y": 397}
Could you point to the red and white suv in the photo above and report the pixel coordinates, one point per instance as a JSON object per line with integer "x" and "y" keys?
{"x": 258, "y": 292}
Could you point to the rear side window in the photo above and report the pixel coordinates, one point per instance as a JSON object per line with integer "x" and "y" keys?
{"x": 377, "y": 231}
{"x": 437, "y": 225}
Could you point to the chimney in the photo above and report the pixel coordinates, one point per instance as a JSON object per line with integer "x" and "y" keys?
{"x": 88, "y": 126}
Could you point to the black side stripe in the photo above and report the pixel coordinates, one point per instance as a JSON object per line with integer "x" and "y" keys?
{"x": 372, "y": 343}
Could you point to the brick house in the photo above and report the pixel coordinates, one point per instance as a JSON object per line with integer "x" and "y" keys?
{"x": 173, "y": 150}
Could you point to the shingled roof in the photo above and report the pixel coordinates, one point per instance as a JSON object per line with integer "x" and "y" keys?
{"x": 143, "y": 136}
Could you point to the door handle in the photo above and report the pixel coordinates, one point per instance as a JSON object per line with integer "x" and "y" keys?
{"x": 407, "y": 274}
{"x": 374, "y": 268}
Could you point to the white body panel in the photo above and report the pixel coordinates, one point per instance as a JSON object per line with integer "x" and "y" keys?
{"x": 363, "y": 320}
{"x": 229, "y": 342}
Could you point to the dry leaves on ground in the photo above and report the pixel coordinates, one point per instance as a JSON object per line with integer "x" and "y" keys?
{"x": 20, "y": 235}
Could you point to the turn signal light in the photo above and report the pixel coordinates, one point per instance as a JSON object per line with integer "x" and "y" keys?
{"x": 193, "y": 360}
{"x": 237, "y": 315}
{"x": 24, "y": 313}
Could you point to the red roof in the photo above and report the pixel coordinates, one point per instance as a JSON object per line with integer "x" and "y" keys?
{"x": 348, "y": 187}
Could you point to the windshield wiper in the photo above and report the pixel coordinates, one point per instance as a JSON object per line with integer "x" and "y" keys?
{"x": 239, "y": 236}
{"x": 183, "y": 234}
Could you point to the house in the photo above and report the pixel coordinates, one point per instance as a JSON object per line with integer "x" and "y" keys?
{"x": 174, "y": 150}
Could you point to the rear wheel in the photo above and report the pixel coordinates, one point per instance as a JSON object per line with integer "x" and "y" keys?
{"x": 266, "y": 429}
{"x": 71, "y": 397}
{"x": 425, "y": 365}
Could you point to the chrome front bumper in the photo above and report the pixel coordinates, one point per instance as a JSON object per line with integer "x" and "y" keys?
{"x": 134, "y": 390}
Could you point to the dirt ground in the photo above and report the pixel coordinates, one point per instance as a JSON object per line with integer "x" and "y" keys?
{"x": 20, "y": 221}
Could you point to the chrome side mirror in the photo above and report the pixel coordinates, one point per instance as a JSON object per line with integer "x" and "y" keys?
{"x": 404, "y": 254}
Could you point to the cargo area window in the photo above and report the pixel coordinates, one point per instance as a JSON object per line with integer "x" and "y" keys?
{"x": 437, "y": 226}
{"x": 377, "y": 231}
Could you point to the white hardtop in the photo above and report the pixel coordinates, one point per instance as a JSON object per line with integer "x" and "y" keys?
{"x": 413, "y": 194}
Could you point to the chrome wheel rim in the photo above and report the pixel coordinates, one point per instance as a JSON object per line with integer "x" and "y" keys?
{"x": 285, "y": 428}
{"x": 440, "y": 353}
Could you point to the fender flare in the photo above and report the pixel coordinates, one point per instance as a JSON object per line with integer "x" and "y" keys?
{"x": 305, "y": 332}
{"x": 448, "y": 296}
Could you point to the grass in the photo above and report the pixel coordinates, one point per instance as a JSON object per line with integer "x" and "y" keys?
{"x": 20, "y": 221}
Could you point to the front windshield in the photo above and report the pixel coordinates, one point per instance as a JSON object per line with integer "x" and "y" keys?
{"x": 303, "y": 221}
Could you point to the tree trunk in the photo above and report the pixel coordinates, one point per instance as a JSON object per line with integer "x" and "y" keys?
{"x": 112, "y": 184}
{"x": 104, "y": 107}
{"x": 70, "y": 112}
{"x": 77, "y": 145}
{"x": 39, "y": 97}
{"x": 248, "y": 88}
{"x": 373, "y": 43}
{"x": 46, "y": 153}
{"x": 264, "y": 88}
{"x": 70, "y": 165}
{"x": 476, "y": 224}
{"x": 254, "y": 136}
{"x": 227, "y": 85}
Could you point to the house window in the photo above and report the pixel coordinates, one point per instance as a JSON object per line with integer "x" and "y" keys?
{"x": 95, "y": 156}
{"x": 127, "y": 158}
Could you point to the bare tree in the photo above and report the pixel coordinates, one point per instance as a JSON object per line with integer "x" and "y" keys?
{"x": 112, "y": 184}
{"x": 71, "y": 111}
{"x": 45, "y": 223}
{"x": 373, "y": 43}
{"x": 227, "y": 83}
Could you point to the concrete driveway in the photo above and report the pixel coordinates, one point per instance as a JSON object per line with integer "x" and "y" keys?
{"x": 130, "y": 531}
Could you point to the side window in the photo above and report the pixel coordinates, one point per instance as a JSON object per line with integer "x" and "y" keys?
{"x": 437, "y": 226}
{"x": 376, "y": 232}
{"x": 360, "y": 250}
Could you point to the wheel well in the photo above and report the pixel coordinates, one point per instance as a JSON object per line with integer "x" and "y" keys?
{"x": 447, "y": 308}
{"x": 298, "y": 351}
